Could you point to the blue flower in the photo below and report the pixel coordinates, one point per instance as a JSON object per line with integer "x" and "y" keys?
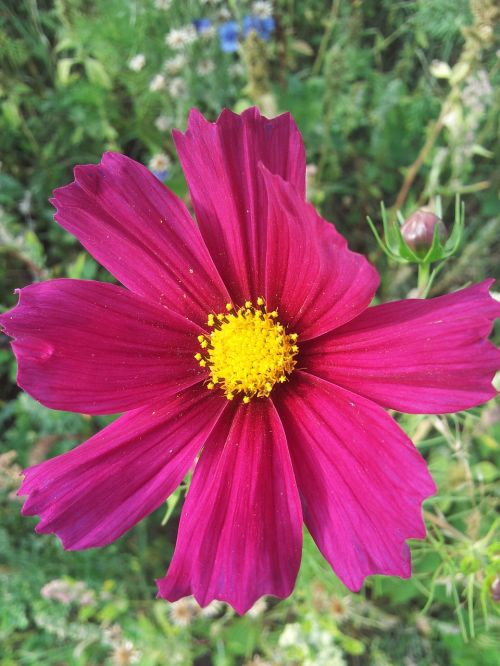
{"x": 162, "y": 175}
{"x": 228, "y": 35}
{"x": 202, "y": 25}
{"x": 264, "y": 27}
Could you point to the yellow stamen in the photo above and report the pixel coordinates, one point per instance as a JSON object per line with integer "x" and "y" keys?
{"x": 248, "y": 351}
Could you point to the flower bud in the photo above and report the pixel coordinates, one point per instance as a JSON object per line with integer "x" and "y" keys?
{"x": 418, "y": 230}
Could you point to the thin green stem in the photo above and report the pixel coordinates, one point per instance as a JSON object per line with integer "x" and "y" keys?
{"x": 423, "y": 279}
{"x": 330, "y": 23}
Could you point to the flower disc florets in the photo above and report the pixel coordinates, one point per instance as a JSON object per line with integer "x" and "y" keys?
{"x": 248, "y": 351}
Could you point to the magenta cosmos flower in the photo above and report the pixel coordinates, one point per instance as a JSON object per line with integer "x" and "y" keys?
{"x": 248, "y": 337}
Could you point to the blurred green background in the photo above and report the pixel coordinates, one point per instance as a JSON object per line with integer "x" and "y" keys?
{"x": 397, "y": 101}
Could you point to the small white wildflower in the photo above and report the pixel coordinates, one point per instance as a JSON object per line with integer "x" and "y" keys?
{"x": 158, "y": 82}
{"x": 164, "y": 123}
{"x": 124, "y": 654}
{"x": 160, "y": 162}
{"x": 477, "y": 92}
{"x": 262, "y": 9}
{"x": 163, "y": 4}
{"x": 68, "y": 592}
{"x": 223, "y": 14}
{"x": 113, "y": 635}
{"x": 137, "y": 62}
{"x": 87, "y": 598}
{"x": 340, "y": 608}
{"x": 56, "y": 589}
{"x": 205, "y": 67}
{"x": 213, "y": 609}
{"x": 178, "y": 38}
{"x": 291, "y": 635}
{"x": 174, "y": 65}
{"x": 177, "y": 87}
{"x": 236, "y": 70}
{"x": 183, "y": 611}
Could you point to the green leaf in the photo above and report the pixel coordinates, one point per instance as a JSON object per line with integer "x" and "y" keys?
{"x": 11, "y": 113}
{"x": 96, "y": 73}
{"x": 63, "y": 70}
{"x": 485, "y": 472}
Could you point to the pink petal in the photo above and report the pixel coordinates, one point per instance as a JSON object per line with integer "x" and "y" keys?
{"x": 97, "y": 348}
{"x": 314, "y": 281}
{"x": 142, "y": 233}
{"x": 361, "y": 479}
{"x": 93, "y": 494}
{"x": 418, "y": 356}
{"x": 240, "y": 533}
{"x": 220, "y": 163}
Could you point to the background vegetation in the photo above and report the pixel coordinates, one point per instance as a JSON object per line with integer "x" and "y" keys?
{"x": 397, "y": 101}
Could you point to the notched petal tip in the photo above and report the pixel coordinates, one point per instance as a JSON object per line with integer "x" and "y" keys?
{"x": 402, "y": 568}
{"x": 240, "y": 607}
{"x": 87, "y": 176}
{"x": 362, "y": 480}
{"x": 7, "y": 317}
{"x": 248, "y": 544}
{"x": 196, "y": 122}
{"x": 91, "y": 495}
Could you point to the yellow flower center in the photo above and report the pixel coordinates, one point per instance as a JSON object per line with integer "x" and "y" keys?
{"x": 248, "y": 351}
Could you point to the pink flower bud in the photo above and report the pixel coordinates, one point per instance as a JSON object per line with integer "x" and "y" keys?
{"x": 418, "y": 230}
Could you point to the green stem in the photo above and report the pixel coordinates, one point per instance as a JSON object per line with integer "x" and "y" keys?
{"x": 329, "y": 25}
{"x": 423, "y": 279}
